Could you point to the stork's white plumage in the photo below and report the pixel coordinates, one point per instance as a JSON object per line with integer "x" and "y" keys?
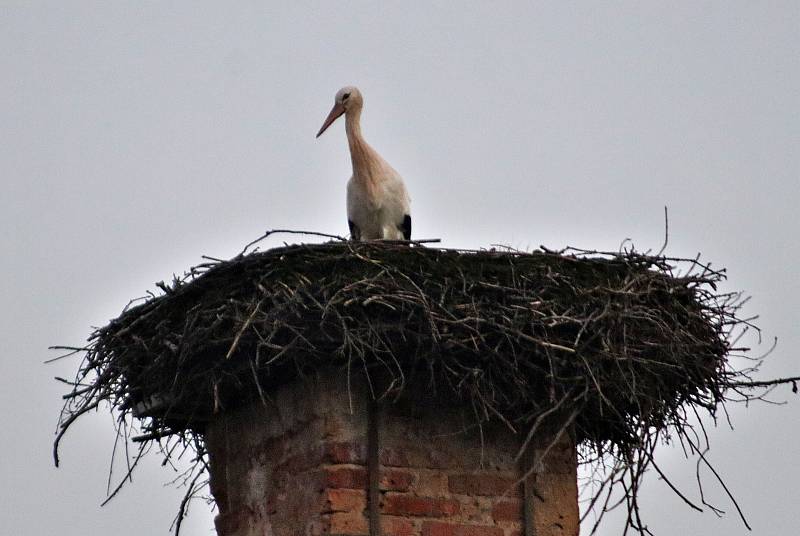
{"x": 377, "y": 201}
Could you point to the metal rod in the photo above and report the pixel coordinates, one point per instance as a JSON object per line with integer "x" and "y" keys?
{"x": 373, "y": 466}
{"x": 529, "y": 492}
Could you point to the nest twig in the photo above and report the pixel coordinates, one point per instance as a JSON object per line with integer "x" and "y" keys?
{"x": 630, "y": 346}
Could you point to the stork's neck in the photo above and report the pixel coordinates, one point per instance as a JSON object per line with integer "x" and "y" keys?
{"x": 365, "y": 160}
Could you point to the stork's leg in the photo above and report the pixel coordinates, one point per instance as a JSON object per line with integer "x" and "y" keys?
{"x": 355, "y": 232}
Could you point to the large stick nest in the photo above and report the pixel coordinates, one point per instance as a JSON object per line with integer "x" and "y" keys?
{"x": 619, "y": 347}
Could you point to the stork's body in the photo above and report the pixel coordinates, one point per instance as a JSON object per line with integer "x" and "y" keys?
{"x": 377, "y": 201}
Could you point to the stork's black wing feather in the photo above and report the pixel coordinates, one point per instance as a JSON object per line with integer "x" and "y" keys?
{"x": 355, "y": 232}
{"x": 406, "y": 227}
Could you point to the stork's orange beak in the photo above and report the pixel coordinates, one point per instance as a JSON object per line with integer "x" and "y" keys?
{"x": 336, "y": 111}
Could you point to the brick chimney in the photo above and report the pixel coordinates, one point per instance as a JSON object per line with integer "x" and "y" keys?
{"x": 299, "y": 463}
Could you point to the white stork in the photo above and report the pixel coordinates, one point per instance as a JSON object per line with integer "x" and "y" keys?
{"x": 377, "y": 201}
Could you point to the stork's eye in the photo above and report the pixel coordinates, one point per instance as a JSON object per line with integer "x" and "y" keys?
{"x": 345, "y": 96}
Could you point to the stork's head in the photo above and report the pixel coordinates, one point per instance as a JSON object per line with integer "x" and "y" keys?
{"x": 348, "y": 98}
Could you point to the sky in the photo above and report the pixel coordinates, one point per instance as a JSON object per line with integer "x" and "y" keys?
{"x": 137, "y": 136}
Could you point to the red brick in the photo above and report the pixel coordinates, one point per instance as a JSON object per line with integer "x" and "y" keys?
{"x": 396, "y": 480}
{"x": 430, "y": 482}
{"x": 345, "y": 500}
{"x": 438, "y": 528}
{"x": 396, "y": 526}
{"x": 483, "y": 484}
{"x": 411, "y": 505}
{"x": 348, "y": 524}
{"x": 356, "y": 478}
{"x": 510, "y": 510}
{"x": 344, "y": 452}
{"x": 346, "y": 477}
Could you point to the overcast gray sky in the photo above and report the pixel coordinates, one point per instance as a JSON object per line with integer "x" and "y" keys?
{"x": 137, "y": 136}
